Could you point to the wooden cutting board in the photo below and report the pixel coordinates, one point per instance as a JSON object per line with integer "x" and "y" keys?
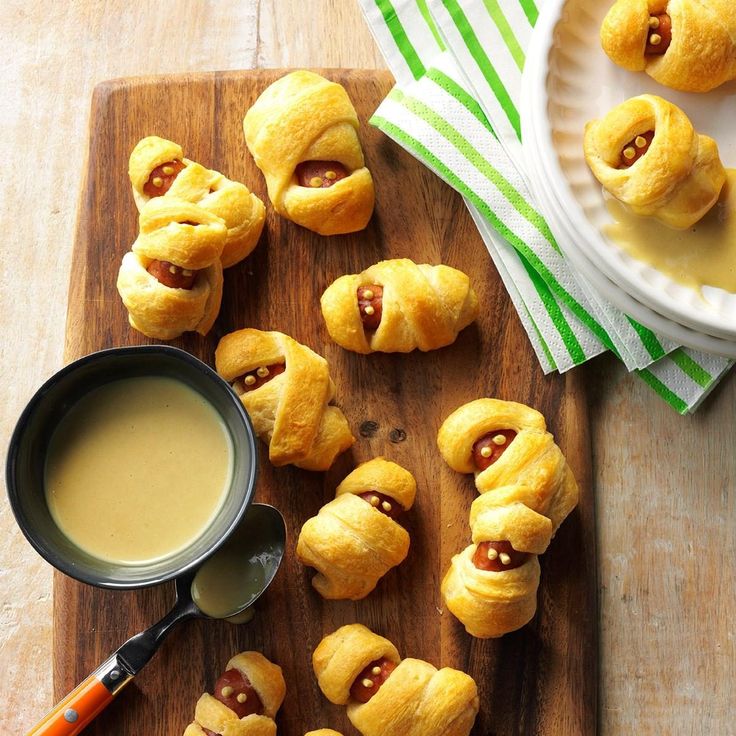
{"x": 541, "y": 680}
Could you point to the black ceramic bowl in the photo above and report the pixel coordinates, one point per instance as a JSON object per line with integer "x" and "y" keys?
{"x": 29, "y": 445}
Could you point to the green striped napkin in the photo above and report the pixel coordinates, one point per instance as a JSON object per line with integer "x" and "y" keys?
{"x": 456, "y": 110}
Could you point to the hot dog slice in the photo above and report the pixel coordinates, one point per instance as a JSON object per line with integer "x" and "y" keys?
{"x": 384, "y": 504}
{"x": 635, "y": 149}
{"x": 162, "y": 177}
{"x": 659, "y": 37}
{"x": 498, "y": 556}
{"x": 369, "y": 681}
{"x": 234, "y": 690}
{"x": 256, "y": 378}
{"x": 171, "y": 275}
{"x": 491, "y": 446}
{"x": 370, "y": 303}
{"x": 319, "y": 174}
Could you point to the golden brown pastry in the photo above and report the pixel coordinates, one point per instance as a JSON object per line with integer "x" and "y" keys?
{"x": 157, "y": 167}
{"x": 286, "y": 389}
{"x": 397, "y": 306}
{"x": 646, "y": 153}
{"x": 527, "y": 491}
{"x": 491, "y": 586}
{"x": 688, "y": 45}
{"x": 303, "y": 134}
{"x": 171, "y": 281}
{"x": 323, "y": 732}
{"x": 506, "y": 444}
{"x": 354, "y": 540}
{"x": 388, "y": 696}
{"x": 244, "y": 701}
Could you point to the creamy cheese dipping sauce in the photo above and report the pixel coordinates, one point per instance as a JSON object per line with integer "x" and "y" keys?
{"x": 137, "y": 469}
{"x": 705, "y": 254}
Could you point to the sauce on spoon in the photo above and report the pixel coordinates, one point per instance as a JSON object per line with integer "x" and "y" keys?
{"x": 232, "y": 579}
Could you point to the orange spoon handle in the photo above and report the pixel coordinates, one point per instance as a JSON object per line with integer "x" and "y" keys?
{"x": 84, "y": 703}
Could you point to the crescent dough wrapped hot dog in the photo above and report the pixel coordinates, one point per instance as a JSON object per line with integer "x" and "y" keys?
{"x": 398, "y": 306}
{"x": 491, "y": 586}
{"x": 688, "y": 45}
{"x": 157, "y": 167}
{"x": 388, "y": 696}
{"x": 244, "y": 701}
{"x": 646, "y": 153}
{"x": 303, "y": 134}
{"x": 527, "y": 488}
{"x": 171, "y": 281}
{"x": 504, "y": 444}
{"x": 354, "y": 540}
{"x": 286, "y": 389}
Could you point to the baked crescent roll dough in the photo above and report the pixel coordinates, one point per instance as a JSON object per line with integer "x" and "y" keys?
{"x": 531, "y": 458}
{"x": 323, "y": 732}
{"x": 265, "y": 678}
{"x": 702, "y": 51}
{"x": 679, "y": 177}
{"x": 422, "y": 307}
{"x": 183, "y": 234}
{"x": 415, "y": 699}
{"x": 242, "y": 212}
{"x": 351, "y": 542}
{"x": 304, "y": 117}
{"x": 527, "y": 489}
{"x": 291, "y": 410}
{"x": 490, "y": 603}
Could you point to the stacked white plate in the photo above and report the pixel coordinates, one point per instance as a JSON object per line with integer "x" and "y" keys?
{"x": 568, "y": 80}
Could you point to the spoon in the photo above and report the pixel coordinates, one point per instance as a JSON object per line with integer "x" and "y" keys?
{"x": 224, "y": 587}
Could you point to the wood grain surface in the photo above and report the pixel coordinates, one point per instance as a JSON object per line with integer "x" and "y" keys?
{"x": 541, "y": 680}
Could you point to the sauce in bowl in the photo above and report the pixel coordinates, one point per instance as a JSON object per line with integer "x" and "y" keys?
{"x": 138, "y": 469}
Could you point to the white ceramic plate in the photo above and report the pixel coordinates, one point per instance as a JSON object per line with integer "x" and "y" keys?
{"x": 568, "y": 80}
